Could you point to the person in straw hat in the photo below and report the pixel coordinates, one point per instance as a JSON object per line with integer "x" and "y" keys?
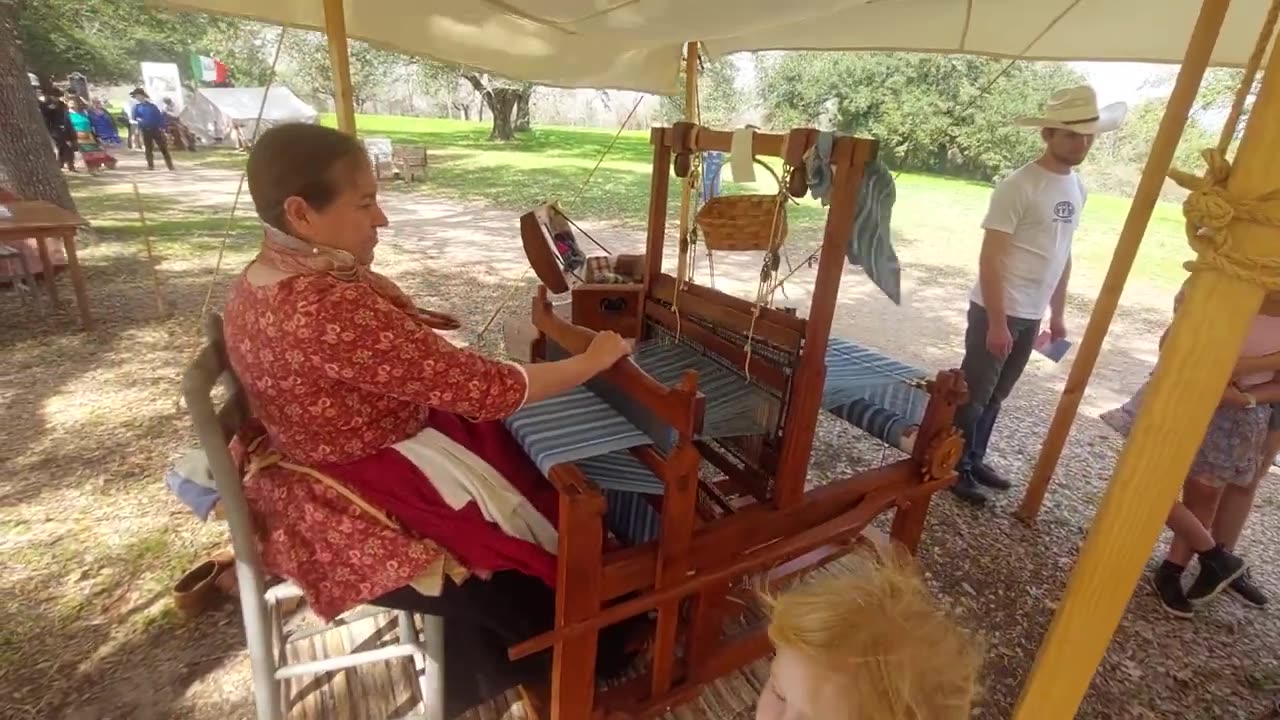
{"x": 1024, "y": 266}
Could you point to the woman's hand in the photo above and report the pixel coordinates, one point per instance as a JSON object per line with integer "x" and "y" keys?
{"x": 438, "y": 320}
{"x": 1235, "y": 397}
{"x": 607, "y": 348}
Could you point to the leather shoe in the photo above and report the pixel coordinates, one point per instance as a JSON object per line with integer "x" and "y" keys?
{"x": 984, "y": 475}
{"x": 966, "y": 488}
{"x": 197, "y": 591}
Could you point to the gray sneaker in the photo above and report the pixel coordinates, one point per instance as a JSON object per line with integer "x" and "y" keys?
{"x": 1244, "y": 590}
{"x": 1218, "y": 569}
{"x": 967, "y": 490}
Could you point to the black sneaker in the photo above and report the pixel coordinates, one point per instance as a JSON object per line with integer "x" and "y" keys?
{"x": 966, "y": 488}
{"x": 1217, "y": 569}
{"x": 984, "y": 475}
{"x": 1167, "y": 582}
{"x": 1243, "y": 589}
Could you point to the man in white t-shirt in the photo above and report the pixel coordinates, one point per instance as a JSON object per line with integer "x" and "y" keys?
{"x": 1024, "y": 267}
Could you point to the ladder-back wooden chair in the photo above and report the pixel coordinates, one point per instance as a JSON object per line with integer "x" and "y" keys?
{"x": 261, "y": 606}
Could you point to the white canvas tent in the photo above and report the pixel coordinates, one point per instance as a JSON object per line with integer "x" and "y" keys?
{"x": 636, "y": 44}
{"x": 215, "y": 115}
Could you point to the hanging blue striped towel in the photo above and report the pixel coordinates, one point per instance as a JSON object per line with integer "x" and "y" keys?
{"x": 871, "y": 246}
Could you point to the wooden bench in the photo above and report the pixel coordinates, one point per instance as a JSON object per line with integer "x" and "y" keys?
{"x": 409, "y": 161}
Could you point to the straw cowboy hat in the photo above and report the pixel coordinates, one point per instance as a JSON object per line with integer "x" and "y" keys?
{"x": 1076, "y": 109}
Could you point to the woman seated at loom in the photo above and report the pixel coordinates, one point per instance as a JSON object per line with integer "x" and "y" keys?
{"x": 376, "y": 469}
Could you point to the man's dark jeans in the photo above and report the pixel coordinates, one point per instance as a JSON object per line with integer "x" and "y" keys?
{"x": 990, "y": 379}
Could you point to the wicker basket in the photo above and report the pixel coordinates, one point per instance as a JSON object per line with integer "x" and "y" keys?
{"x": 744, "y": 222}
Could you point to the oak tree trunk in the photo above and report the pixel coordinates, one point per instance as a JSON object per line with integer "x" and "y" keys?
{"x": 523, "y": 123}
{"x": 27, "y": 164}
{"x": 502, "y": 105}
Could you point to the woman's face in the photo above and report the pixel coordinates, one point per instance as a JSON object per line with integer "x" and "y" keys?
{"x": 348, "y": 223}
{"x": 790, "y": 692}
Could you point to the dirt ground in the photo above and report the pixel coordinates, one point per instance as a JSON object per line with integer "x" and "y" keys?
{"x": 92, "y": 538}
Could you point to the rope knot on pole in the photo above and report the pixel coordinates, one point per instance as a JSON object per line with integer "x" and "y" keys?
{"x": 1211, "y": 210}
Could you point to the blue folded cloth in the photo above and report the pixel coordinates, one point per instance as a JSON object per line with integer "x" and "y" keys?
{"x": 191, "y": 480}
{"x": 199, "y": 498}
{"x": 871, "y": 246}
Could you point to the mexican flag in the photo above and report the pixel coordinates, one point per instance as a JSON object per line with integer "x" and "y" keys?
{"x": 207, "y": 69}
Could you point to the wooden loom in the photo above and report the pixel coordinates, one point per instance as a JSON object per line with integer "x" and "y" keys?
{"x": 756, "y": 518}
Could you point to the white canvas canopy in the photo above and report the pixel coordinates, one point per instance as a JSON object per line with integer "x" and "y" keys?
{"x": 217, "y": 114}
{"x": 636, "y": 44}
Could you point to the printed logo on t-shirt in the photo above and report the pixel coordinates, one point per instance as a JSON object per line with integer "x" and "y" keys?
{"x": 1064, "y": 211}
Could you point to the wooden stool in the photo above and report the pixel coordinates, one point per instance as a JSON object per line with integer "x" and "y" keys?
{"x": 8, "y": 252}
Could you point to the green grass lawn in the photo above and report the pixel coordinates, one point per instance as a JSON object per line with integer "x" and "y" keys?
{"x": 550, "y": 162}
{"x": 554, "y": 162}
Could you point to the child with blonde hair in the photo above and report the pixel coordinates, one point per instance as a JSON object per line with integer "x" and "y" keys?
{"x": 868, "y": 645}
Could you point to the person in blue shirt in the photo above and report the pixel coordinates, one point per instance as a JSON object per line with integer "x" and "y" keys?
{"x": 151, "y": 122}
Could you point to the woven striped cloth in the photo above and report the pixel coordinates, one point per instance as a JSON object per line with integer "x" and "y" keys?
{"x": 863, "y": 387}
{"x": 870, "y": 391}
{"x": 596, "y": 420}
{"x": 630, "y": 517}
{"x": 871, "y": 245}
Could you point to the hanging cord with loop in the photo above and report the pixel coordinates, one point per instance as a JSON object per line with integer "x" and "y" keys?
{"x": 519, "y": 283}
{"x": 769, "y": 266}
{"x": 605, "y": 154}
{"x": 235, "y": 203}
{"x": 689, "y": 243}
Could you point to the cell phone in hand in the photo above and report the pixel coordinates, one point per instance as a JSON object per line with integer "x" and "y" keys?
{"x": 1048, "y": 347}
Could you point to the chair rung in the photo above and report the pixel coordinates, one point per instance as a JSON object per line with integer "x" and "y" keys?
{"x": 355, "y": 616}
{"x": 315, "y": 667}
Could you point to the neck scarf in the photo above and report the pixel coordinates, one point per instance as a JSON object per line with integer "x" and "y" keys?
{"x": 294, "y": 256}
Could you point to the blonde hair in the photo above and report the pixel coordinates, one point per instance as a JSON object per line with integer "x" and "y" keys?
{"x": 879, "y": 642}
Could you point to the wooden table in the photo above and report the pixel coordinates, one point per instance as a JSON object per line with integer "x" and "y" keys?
{"x": 41, "y": 220}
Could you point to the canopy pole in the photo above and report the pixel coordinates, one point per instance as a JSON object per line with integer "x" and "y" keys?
{"x": 1194, "y": 367}
{"x": 335, "y": 28}
{"x": 686, "y": 189}
{"x": 1181, "y": 102}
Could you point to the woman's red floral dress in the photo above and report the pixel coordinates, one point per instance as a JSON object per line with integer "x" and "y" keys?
{"x": 336, "y": 372}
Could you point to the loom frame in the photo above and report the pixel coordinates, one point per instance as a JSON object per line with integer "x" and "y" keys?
{"x": 688, "y": 574}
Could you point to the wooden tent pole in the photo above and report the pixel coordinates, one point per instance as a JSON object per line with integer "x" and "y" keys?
{"x": 1181, "y": 101}
{"x": 686, "y": 190}
{"x": 1193, "y": 369}
{"x": 335, "y": 28}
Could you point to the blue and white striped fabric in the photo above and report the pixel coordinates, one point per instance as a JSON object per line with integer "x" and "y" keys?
{"x": 862, "y": 386}
{"x": 870, "y": 391}
{"x": 872, "y": 243}
{"x": 732, "y": 402}
{"x": 630, "y": 517}
{"x": 621, "y": 471}
{"x": 582, "y": 424}
{"x": 571, "y": 427}
{"x": 871, "y": 246}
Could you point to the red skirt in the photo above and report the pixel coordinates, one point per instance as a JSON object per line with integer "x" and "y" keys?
{"x": 404, "y": 489}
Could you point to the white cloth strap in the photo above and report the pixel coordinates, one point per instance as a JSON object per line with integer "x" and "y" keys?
{"x": 742, "y": 164}
{"x": 461, "y": 476}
